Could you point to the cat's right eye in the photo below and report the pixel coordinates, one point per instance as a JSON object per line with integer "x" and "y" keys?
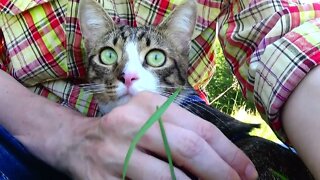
{"x": 108, "y": 56}
{"x": 156, "y": 58}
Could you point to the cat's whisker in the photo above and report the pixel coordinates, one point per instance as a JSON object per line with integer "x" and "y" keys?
{"x": 193, "y": 108}
{"x": 181, "y": 98}
{"x": 55, "y": 92}
{"x": 84, "y": 84}
{"x": 110, "y": 93}
{"x": 94, "y": 91}
{"x": 181, "y": 94}
{"x": 94, "y": 88}
{"x": 92, "y": 85}
{"x": 84, "y": 102}
{"x": 80, "y": 102}
{"x": 173, "y": 87}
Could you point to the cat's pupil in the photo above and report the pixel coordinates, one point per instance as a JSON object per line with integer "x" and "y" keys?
{"x": 108, "y": 56}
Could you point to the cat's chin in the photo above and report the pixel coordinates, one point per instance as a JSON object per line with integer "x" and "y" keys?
{"x": 108, "y": 106}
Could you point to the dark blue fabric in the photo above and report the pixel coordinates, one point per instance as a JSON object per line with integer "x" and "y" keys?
{"x": 192, "y": 98}
{"x": 17, "y": 163}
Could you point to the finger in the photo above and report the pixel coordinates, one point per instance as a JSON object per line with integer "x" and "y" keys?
{"x": 216, "y": 139}
{"x": 189, "y": 151}
{"x": 233, "y": 156}
{"x": 229, "y": 152}
{"x": 144, "y": 166}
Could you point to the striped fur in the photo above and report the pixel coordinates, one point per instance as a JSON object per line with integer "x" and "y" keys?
{"x": 172, "y": 38}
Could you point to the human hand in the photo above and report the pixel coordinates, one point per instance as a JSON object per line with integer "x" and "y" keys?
{"x": 97, "y": 149}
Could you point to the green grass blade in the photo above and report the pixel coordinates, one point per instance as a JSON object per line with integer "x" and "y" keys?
{"x": 155, "y": 116}
{"x": 276, "y": 174}
{"x": 167, "y": 148}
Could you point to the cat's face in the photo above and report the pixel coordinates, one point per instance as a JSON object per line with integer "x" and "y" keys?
{"x": 129, "y": 60}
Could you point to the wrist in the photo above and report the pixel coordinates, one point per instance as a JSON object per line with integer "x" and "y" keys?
{"x": 51, "y": 132}
{"x": 63, "y": 147}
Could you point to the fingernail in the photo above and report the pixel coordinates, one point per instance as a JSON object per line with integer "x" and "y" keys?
{"x": 251, "y": 172}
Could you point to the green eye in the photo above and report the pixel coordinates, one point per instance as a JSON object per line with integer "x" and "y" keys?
{"x": 156, "y": 58}
{"x": 108, "y": 56}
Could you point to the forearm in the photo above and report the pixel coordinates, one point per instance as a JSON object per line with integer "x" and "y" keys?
{"x": 88, "y": 149}
{"x": 301, "y": 120}
{"x": 34, "y": 120}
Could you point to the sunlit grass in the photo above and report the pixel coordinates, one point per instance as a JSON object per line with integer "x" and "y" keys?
{"x": 254, "y": 118}
{"x": 225, "y": 94}
{"x": 264, "y": 131}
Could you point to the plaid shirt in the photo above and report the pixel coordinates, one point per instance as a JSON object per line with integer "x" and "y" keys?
{"x": 270, "y": 44}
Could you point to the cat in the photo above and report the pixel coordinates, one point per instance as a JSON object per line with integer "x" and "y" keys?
{"x": 123, "y": 61}
{"x": 128, "y": 60}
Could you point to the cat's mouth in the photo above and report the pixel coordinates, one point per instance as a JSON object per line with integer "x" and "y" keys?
{"x": 128, "y": 92}
{"x": 127, "y": 95}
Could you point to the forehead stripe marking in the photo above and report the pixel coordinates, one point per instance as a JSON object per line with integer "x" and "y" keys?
{"x": 148, "y": 41}
{"x": 141, "y": 35}
{"x": 115, "y": 40}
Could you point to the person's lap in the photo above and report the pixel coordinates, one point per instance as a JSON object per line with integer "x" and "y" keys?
{"x": 17, "y": 163}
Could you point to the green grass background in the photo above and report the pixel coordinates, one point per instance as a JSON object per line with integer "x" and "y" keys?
{"x": 225, "y": 94}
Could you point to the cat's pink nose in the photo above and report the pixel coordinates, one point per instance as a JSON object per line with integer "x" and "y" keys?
{"x": 129, "y": 78}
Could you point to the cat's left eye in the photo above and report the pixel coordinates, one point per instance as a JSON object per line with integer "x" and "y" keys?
{"x": 108, "y": 56}
{"x": 156, "y": 58}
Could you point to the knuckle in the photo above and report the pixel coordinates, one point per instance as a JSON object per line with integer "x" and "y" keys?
{"x": 207, "y": 131}
{"x": 110, "y": 151}
{"x": 236, "y": 157}
{"x": 121, "y": 115}
{"x": 231, "y": 174}
{"x": 97, "y": 153}
{"x": 115, "y": 115}
{"x": 165, "y": 176}
{"x": 191, "y": 145}
{"x": 122, "y": 120}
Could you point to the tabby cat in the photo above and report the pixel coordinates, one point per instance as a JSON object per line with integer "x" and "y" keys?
{"x": 123, "y": 61}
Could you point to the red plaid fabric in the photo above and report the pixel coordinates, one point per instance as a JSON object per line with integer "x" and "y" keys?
{"x": 270, "y": 45}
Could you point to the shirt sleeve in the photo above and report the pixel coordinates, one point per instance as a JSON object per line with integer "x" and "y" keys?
{"x": 44, "y": 42}
{"x": 14, "y": 7}
{"x": 3, "y": 58}
{"x": 41, "y": 48}
{"x": 271, "y": 46}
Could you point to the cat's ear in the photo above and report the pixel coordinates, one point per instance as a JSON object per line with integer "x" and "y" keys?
{"x": 179, "y": 25}
{"x": 94, "y": 21}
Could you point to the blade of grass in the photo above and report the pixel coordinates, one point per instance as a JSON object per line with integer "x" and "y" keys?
{"x": 155, "y": 116}
{"x": 276, "y": 174}
{"x": 167, "y": 148}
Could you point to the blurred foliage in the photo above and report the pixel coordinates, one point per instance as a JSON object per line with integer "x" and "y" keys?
{"x": 223, "y": 90}
{"x": 225, "y": 94}
{"x": 254, "y": 118}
